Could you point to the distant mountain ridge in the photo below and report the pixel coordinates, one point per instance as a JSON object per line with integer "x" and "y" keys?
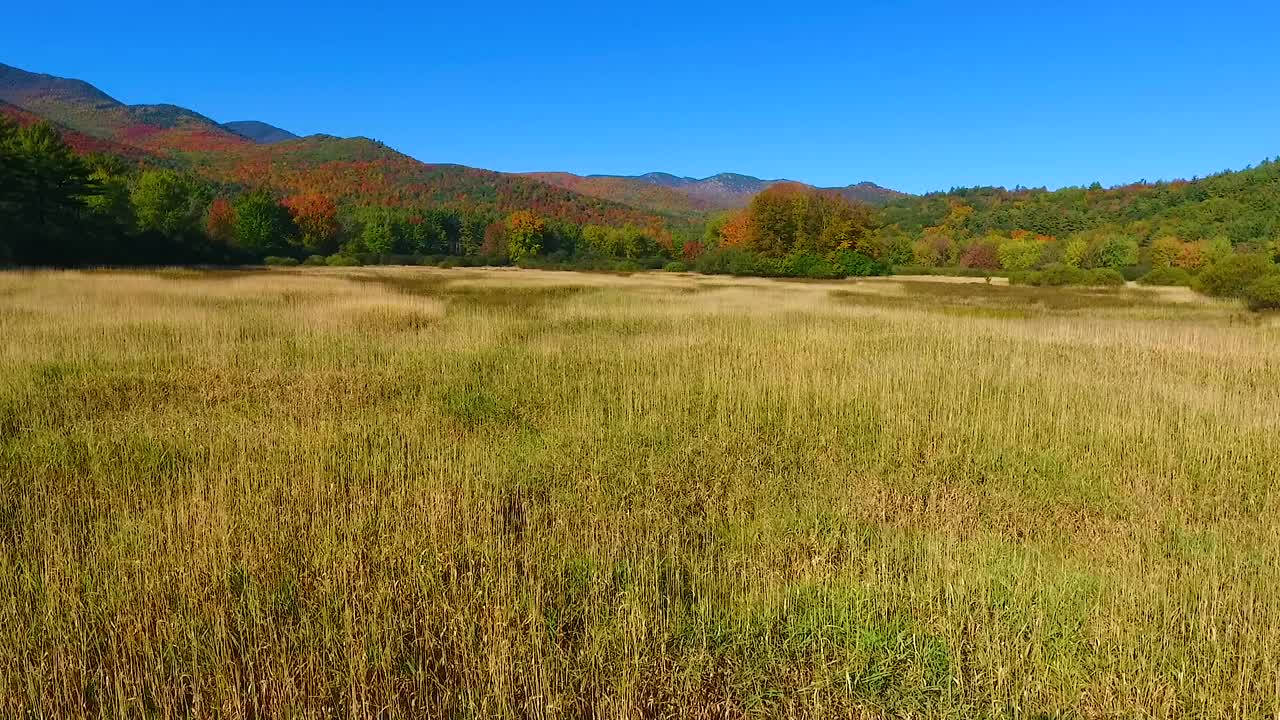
{"x": 259, "y": 132}
{"x": 355, "y": 172}
{"x": 77, "y": 105}
{"x": 722, "y": 191}
{"x": 736, "y": 190}
{"x": 725, "y": 191}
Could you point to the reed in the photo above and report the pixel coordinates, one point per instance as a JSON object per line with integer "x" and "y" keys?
{"x": 501, "y": 493}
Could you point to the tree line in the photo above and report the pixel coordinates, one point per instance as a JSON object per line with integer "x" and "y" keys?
{"x": 63, "y": 209}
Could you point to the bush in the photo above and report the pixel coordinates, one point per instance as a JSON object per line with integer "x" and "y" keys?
{"x": 386, "y": 259}
{"x": 1133, "y": 272}
{"x": 447, "y": 263}
{"x": 856, "y": 264}
{"x": 1020, "y": 254}
{"x": 1105, "y": 277}
{"x": 341, "y": 261}
{"x": 1167, "y": 277}
{"x": 809, "y": 266}
{"x": 1233, "y": 275}
{"x": 315, "y": 260}
{"x": 943, "y": 271}
{"x": 627, "y": 266}
{"x": 1264, "y": 293}
{"x": 726, "y": 261}
{"x": 280, "y": 261}
{"x": 1057, "y": 274}
{"x": 676, "y": 266}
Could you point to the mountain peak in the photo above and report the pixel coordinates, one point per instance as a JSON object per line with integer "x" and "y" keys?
{"x": 17, "y": 85}
{"x": 259, "y": 132}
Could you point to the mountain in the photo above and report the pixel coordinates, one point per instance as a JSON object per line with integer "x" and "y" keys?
{"x": 78, "y": 141}
{"x": 723, "y": 191}
{"x": 259, "y": 132}
{"x": 354, "y": 171}
{"x": 77, "y": 105}
{"x": 869, "y": 193}
{"x": 730, "y": 190}
{"x": 685, "y": 196}
{"x": 658, "y": 198}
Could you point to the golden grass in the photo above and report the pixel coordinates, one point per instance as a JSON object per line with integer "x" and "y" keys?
{"x": 421, "y": 493}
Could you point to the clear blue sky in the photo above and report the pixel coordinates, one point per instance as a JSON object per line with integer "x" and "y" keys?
{"x": 913, "y": 95}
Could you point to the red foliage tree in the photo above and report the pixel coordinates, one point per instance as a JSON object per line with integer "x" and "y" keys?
{"x": 317, "y": 218}
{"x": 980, "y": 255}
{"x": 220, "y": 221}
{"x": 737, "y": 231}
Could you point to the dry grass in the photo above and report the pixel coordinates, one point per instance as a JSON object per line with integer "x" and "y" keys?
{"x": 416, "y": 493}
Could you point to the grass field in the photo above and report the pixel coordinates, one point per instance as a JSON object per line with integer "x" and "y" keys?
{"x": 428, "y": 493}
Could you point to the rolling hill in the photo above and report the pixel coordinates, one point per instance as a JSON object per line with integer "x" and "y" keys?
{"x": 360, "y": 171}
{"x": 732, "y": 190}
{"x": 259, "y": 132}
{"x": 78, "y": 141}
{"x": 354, "y": 171}
{"x": 633, "y": 192}
{"x": 671, "y": 194}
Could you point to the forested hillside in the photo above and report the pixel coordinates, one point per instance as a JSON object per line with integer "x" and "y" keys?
{"x": 670, "y": 194}
{"x": 1181, "y": 225}
{"x": 163, "y": 183}
{"x": 355, "y": 172}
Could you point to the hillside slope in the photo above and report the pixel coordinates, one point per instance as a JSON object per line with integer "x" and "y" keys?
{"x": 354, "y": 171}
{"x": 672, "y": 194}
{"x": 78, "y": 141}
{"x": 1241, "y": 206}
{"x": 82, "y": 107}
{"x": 259, "y": 132}
{"x": 630, "y": 191}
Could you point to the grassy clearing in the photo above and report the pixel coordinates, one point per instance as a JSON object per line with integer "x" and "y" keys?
{"x": 409, "y": 493}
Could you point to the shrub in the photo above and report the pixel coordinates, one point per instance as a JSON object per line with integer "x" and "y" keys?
{"x": 1105, "y": 277}
{"x": 627, "y": 266}
{"x": 280, "y": 261}
{"x": 1020, "y": 254}
{"x": 1117, "y": 251}
{"x": 1058, "y": 274}
{"x": 726, "y": 261}
{"x": 341, "y": 261}
{"x": 676, "y": 266}
{"x": 1232, "y": 275}
{"x": 766, "y": 267}
{"x": 1167, "y": 276}
{"x": 1133, "y": 272}
{"x": 943, "y": 271}
{"x": 1264, "y": 293}
{"x": 857, "y": 264}
{"x": 809, "y": 266}
{"x": 980, "y": 255}
{"x": 314, "y": 260}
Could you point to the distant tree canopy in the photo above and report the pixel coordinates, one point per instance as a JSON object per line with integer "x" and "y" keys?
{"x": 58, "y": 207}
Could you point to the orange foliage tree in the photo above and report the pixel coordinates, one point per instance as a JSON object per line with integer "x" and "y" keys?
{"x": 220, "y": 221}
{"x": 317, "y": 219}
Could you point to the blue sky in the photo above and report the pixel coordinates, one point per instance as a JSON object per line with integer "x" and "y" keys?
{"x": 913, "y": 95}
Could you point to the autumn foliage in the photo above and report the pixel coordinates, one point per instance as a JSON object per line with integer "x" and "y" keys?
{"x": 316, "y": 217}
{"x": 220, "y": 221}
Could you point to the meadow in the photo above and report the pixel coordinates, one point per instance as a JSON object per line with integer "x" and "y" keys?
{"x": 382, "y": 492}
